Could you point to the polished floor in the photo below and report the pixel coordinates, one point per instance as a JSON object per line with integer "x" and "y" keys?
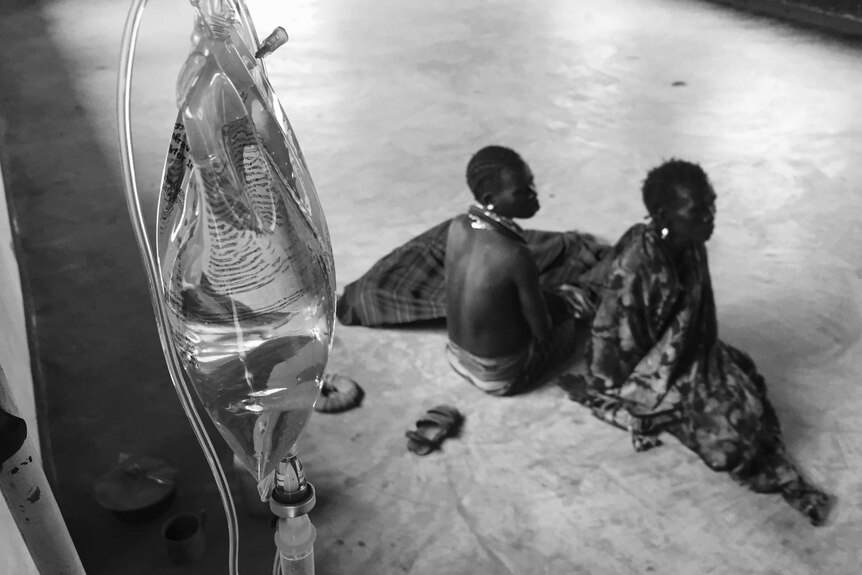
{"x": 389, "y": 99}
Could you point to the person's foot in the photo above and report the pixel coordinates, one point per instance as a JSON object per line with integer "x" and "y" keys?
{"x": 767, "y": 472}
{"x": 811, "y": 502}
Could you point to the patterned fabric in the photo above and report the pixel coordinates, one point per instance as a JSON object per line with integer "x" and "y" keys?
{"x": 518, "y": 372}
{"x": 654, "y": 362}
{"x": 409, "y": 283}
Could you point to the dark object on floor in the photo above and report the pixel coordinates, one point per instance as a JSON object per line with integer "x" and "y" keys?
{"x": 837, "y": 16}
{"x": 184, "y": 537}
{"x": 138, "y": 489}
{"x": 432, "y": 428}
{"x": 13, "y": 432}
{"x": 339, "y": 393}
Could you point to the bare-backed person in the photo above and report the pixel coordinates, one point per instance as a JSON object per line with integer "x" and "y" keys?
{"x": 505, "y": 332}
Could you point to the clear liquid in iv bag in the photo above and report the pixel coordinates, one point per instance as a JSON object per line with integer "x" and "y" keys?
{"x": 246, "y": 270}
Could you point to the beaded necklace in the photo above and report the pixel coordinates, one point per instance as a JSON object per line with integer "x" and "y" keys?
{"x": 481, "y": 218}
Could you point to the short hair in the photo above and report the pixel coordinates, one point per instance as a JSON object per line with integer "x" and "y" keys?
{"x": 661, "y": 184}
{"x": 486, "y": 166}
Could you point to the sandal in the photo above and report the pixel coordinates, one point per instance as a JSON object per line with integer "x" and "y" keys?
{"x": 432, "y": 428}
{"x": 338, "y": 393}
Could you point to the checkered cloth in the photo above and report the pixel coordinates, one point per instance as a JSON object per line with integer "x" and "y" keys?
{"x": 409, "y": 283}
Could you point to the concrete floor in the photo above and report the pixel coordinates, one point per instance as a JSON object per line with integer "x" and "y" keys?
{"x": 389, "y": 99}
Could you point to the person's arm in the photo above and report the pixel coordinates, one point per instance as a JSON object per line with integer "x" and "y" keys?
{"x": 532, "y": 299}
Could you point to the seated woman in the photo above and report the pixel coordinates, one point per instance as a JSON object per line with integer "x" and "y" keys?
{"x": 654, "y": 360}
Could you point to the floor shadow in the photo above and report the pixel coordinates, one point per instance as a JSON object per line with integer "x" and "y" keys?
{"x": 434, "y": 325}
{"x": 101, "y": 383}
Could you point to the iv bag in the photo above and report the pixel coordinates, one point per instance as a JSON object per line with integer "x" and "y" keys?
{"x": 245, "y": 258}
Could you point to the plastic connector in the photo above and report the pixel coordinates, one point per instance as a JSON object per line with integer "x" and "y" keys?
{"x": 273, "y": 42}
{"x": 292, "y": 495}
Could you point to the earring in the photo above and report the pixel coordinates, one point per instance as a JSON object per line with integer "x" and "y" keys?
{"x": 664, "y": 233}
{"x": 489, "y": 207}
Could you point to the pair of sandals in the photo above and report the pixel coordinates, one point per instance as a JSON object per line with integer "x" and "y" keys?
{"x": 339, "y": 393}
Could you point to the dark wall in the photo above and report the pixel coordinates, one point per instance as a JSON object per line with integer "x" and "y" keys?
{"x": 838, "y": 7}
{"x": 839, "y": 16}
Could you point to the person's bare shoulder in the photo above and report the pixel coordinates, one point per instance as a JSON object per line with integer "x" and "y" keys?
{"x": 459, "y": 223}
{"x": 458, "y": 230}
{"x": 497, "y": 247}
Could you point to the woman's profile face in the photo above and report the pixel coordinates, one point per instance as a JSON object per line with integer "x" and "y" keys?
{"x": 692, "y": 215}
{"x": 517, "y": 197}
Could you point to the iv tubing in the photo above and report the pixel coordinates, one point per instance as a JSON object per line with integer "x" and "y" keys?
{"x": 124, "y": 88}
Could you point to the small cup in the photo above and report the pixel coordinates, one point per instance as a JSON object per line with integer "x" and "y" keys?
{"x": 184, "y": 537}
